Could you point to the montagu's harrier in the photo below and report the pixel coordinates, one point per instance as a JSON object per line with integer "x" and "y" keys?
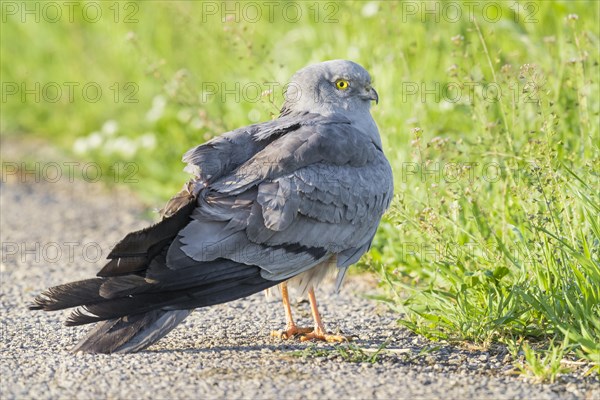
{"x": 279, "y": 202}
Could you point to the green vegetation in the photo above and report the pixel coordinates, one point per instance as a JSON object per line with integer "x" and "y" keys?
{"x": 491, "y": 126}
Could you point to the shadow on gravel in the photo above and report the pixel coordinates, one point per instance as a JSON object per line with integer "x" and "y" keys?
{"x": 217, "y": 349}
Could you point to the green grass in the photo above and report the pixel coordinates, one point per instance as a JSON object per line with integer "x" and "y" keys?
{"x": 493, "y": 236}
{"x": 543, "y": 366}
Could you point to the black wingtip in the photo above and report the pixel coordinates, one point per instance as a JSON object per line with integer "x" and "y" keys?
{"x": 35, "y": 305}
{"x": 69, "y": 295}
{"x": 41, "y": 302}
{"x": 81, "y": 316}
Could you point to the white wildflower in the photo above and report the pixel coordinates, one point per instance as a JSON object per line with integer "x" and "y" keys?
{"x": 94, "y": 140}
{"x": 80, "y": 146}
{"x": 147, "y": 140}
{"x": 370, "y": 9}
{"x": 158, "y": 108}
{"x": 110, "y": 127}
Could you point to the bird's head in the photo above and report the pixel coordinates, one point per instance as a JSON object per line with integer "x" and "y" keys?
{"x": 336, "y": 86}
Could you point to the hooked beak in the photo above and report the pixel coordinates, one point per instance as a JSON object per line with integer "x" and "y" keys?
{"x": 372, "y": 94}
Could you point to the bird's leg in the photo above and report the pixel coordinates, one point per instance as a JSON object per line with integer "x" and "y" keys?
{"x": 319, "y": 333}
{"x": 291, "y": 329}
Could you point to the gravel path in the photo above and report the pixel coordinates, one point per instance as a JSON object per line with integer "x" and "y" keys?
{"x": 58, "y": 232}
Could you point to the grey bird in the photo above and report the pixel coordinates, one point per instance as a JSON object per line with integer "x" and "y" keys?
{"x": 275, "y": 203}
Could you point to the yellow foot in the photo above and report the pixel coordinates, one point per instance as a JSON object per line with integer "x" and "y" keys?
{"x": 290, "y": 332}
{"x": 324, "y": 336}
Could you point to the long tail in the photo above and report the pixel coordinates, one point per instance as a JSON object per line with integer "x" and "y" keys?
{"x": 137, "y": 299}
{"x": 131, "y": 333}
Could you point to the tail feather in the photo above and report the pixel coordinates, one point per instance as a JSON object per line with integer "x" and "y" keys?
{"x": 141, "y": 242}
{"x": 137, "y": 298}
{"x": 130, "y": 333}
{"x": 133, "y": 253}
{"x": 69, "y": 295}
{"x": 245, "y": 282}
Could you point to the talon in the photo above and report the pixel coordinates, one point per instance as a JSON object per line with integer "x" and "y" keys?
{"x": 316, "y": 333}
{"x": 326, "y": 337}
{"x": 290, "y": 332}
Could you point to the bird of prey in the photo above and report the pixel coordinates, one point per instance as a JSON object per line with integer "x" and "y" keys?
{"x": 275, "y": 203}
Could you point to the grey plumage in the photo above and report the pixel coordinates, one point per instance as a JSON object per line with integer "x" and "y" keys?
{"x": 127, "y": 335}
{"x": 266, "y": 203}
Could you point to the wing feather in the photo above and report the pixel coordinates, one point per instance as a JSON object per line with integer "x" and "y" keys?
{"x": 313, "y": 192}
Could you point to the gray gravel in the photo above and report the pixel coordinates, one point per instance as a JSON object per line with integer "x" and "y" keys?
{"x": 220, "y": 352}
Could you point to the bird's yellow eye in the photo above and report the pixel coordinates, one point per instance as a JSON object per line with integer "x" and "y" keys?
{"x": 342, "y": 84}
